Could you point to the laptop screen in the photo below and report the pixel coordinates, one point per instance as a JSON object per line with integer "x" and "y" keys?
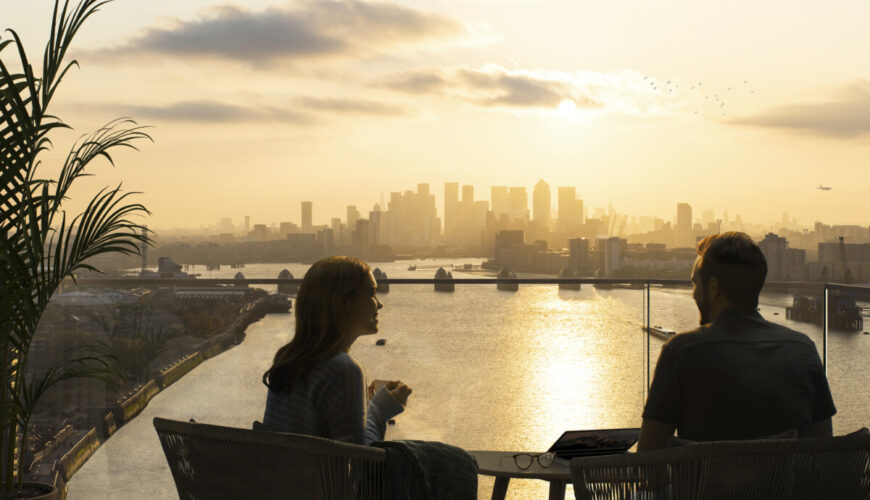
{"x": 594, "y": 442}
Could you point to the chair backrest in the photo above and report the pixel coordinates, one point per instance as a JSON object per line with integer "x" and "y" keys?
{"x": 215, "y": 462}
{"x": 792, "y": 469}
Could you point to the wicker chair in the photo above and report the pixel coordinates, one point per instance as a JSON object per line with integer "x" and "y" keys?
{"x": 214, "y": 462}
{"x": 788, "y": 469}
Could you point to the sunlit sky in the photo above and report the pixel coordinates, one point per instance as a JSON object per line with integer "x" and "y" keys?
{"x": 258, "y": 105}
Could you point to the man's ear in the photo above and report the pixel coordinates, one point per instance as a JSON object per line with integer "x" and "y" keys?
{"x": 712, "y": 287}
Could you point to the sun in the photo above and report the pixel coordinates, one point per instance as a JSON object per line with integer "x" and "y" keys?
{"x": 567, "y": 106}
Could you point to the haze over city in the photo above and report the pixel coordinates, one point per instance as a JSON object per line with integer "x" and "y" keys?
{"x": 262, "y": 104}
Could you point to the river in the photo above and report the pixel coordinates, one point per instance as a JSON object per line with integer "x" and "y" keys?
{"x": 489, "y": 369}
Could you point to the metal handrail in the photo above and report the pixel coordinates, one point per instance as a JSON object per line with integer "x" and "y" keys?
{"x": 144, "y": 282}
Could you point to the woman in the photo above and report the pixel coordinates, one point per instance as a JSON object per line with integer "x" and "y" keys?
{"x": 315, "y": 387}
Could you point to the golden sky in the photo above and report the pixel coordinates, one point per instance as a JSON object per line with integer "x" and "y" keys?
{"x": 258, "y": 105}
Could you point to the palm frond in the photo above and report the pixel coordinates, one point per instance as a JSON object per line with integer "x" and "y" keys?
{"x": 110, "y": 136}
{"x": 96, "y": 367}
{"x": 39, "y": 244}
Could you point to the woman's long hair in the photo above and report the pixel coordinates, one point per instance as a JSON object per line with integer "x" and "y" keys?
{"x": 321, "y": 306}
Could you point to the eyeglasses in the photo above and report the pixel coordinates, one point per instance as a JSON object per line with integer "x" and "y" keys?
{"x": 524, "y": 460}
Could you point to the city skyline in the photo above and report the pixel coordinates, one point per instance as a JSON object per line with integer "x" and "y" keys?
{"x": 702, "y": 214}
{"x": 636, "y": 104}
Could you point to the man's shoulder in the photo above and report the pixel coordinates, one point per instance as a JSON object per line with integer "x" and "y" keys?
{"x": 760, "y": 330}
{"x": 689, "y": 338}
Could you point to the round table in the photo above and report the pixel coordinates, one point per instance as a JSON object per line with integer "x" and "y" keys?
{"x": 501, "y": 465}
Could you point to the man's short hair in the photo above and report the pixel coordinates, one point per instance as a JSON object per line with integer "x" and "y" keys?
{"x": 737, "y": 263}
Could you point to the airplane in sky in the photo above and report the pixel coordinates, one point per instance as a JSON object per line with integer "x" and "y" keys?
{"x": 824, "y": 188}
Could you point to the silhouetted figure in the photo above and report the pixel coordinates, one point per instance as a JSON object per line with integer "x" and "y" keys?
{"x": 737, "y": 376}
{"x": 315, "y": 387}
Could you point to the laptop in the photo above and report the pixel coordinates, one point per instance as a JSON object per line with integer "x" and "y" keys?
{"x": 591, "y": 443}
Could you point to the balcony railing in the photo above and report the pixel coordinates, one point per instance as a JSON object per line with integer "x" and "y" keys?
{"x": 490, "y": 369}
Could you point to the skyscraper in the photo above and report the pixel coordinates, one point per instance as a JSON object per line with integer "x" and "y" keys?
{"x": 451, "y": 207}
{"x": 518, "y": 203}
{"x": 541, "y": 203}
{"x": 683, "y": 237}
{"x": 352, "y": 216}
{"x": 375, "y": 225}
{"x": 306, "y": 216}
{"x": 569, "y": 215}
{"x": 467, "y": 195}
{"x": 411, "y": 219}
{"x": 499, "y": 200}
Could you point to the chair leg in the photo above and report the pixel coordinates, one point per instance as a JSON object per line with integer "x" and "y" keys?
{"x": 557, "y": 489}
{"x": 499, "y": 489}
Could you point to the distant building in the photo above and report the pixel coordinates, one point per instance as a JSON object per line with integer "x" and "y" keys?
{"x": 259, "y": 233}
{"x": 338, "y": 232}
{"x": 411, "y": 220}
{"x": 504, "y": 240}
{"x": 830, "y": 265}
{"x": 326, "y": 240}
{"x": 541, "y": 203}
{"x": 362, "y": 236}
{"x": 288, "y": 227}
{"x": 578, "y": 259}
{"x": 773, "y": 247}
{"x": 352, "y": 216}
{"x": 499, "y": 200}
{"x": 612, "y": 255}
{"x": 783, "y": 263}
{"x": 451, "y": 210}
{"x": 707, "y": 217}
{"x": 307, "y": 209}
{"x": 570, "y": 211}
{"x": 683, "y": 231}
{"x": 375, "y": 226}
{"x": 518, "y": 204}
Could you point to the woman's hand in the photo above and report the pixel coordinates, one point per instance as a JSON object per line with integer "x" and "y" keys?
{"x": 399, "y": 391}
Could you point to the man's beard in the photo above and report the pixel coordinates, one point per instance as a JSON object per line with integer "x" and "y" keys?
{"x": 704, "y": 309}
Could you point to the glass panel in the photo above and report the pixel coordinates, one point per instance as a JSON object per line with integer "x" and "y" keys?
{"x": 490, "y": 369}
{"x": 848, "y": 352}
{"x": 184, "y": 355}
{"x": 672, "y": 310}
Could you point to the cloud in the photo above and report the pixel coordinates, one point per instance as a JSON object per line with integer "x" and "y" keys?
{"x": 421, "y": 81}
{"x": 350, "y": 106}
{"x": 495, "y": 86}
{"x": 313, "y": 29}
{"x": 847, "y": 115}
{"x": 213, "y": 112}
{"x": 304, "y": 111}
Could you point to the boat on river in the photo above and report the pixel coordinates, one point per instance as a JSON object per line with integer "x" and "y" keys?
{"x": 661, "y": 332}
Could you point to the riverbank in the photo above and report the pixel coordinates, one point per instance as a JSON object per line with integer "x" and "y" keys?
{"x": 71, "y": 448}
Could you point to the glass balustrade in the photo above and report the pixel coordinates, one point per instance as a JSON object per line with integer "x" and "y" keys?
{"x": 505, "y": 366}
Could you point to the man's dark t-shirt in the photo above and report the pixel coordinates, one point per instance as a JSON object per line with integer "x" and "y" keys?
{"x": 740, "y": 377}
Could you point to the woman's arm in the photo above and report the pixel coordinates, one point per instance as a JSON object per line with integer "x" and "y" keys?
{"x": 343, "y": 405}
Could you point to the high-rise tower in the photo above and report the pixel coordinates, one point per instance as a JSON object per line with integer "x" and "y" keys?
{"x": 541, "y": 203}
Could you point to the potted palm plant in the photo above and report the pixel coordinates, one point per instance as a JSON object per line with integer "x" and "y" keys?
{"x": 40, "y": 245}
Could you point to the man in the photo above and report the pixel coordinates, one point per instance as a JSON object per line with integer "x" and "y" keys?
{"x": 737, "y": 376}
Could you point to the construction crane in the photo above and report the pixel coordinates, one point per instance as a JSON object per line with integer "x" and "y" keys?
{"x": 847, "y": 274}
{"x": 616, "y": 224}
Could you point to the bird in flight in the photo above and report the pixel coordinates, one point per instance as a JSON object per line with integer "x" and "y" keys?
{"x": 824, "y": 188}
